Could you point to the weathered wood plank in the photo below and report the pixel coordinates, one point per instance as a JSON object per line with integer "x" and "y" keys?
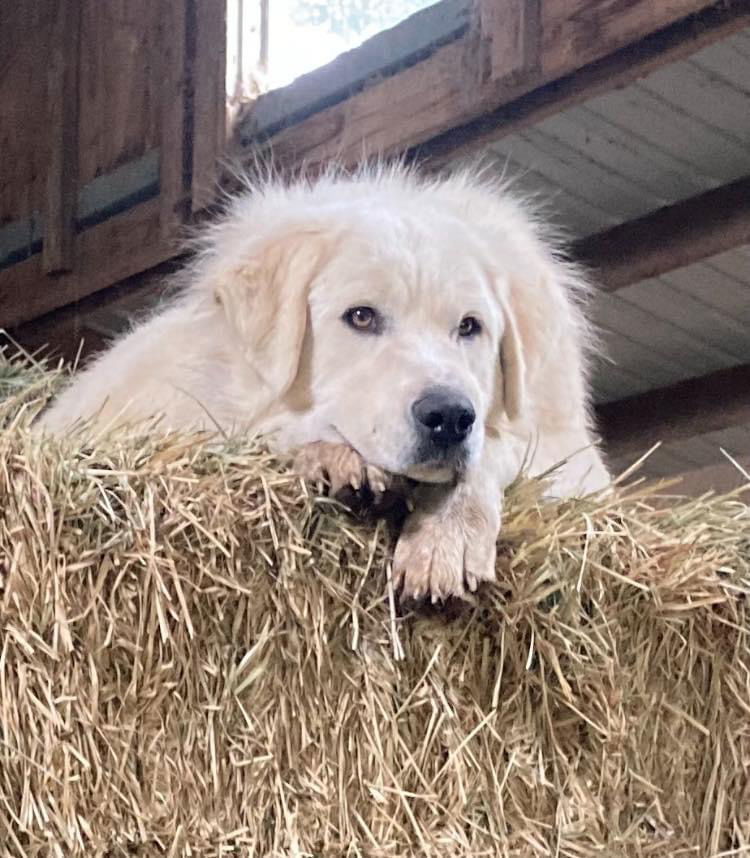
{"x": 693, "y": 141}
{"x": 120, "y": 83}
{"x": 25, "y": 140}
{"x": 397, "y": 113}
{"x": 582, "y": 31}
{"x": 712, "y": 332}
{"x": 174, "y": 139}
{"x": 62, "y": 169}
{"x": 209, "y": 99}
{"x": 111, "y": 193}
{"x": 82, "y": 329}
{"x": 511, "y": 36}
{"x": 615, "y": 147}
{"x": 107, "y": 253}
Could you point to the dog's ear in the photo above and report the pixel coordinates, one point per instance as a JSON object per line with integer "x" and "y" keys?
{"x": 512, "y": 368}
{"x": 265, "y": 301}
{"x": 542, "y": 335}
{"x": 510, "y": 392}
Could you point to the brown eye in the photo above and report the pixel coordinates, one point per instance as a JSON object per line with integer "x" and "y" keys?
{"x": 362, "y": 319}
{"x": 469, "y": 327}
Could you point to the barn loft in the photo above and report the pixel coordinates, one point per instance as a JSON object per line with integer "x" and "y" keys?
{"x": 632, "y": 119}
{"x": 201, "y": 657}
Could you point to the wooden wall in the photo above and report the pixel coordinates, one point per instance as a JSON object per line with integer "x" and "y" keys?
{"x": 99, "y": 103}
{"x": 119, "y": 84}
{"x": 25, "y": 32}
{"x": 113, "y": 112}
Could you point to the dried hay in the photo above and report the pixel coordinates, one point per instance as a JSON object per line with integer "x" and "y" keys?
{"x": 200, "y": 658}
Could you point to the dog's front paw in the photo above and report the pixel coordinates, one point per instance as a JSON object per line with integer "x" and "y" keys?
{"x": 443, "y": 553}
{"x": 340, "y": 467}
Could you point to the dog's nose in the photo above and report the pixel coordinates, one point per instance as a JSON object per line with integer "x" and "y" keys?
{"x": 446, "y": 416}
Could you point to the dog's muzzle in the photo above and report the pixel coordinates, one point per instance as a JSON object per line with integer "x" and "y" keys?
{"x": 443, "y": 420}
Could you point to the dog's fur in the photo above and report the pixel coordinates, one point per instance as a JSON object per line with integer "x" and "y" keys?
{"x": 257, "y": 341}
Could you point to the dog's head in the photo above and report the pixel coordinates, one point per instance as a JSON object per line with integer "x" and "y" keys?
{"x": 389, "y": 324}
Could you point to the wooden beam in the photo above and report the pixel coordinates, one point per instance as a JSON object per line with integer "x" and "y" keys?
{"x": 668, "y": 44}
{"x": 710, "y": 403}
{"x": 510, "y": 38}
{"x": 451, "y": 87}
{"x": 669, "y": 238}
{"x": 62, "y": 168}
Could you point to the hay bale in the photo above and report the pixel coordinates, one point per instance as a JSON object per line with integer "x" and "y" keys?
{"x": 200, "y": 658}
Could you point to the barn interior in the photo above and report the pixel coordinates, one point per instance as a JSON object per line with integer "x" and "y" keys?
{"x": 631, "y": 121}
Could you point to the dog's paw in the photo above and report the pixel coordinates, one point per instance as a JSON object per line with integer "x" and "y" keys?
{"x": 442, "y": 554}
{"x": 340, "y": 467}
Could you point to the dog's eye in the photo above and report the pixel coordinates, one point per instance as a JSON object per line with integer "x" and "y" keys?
{"x": 362, "y": 319}
{"x": 469, "y": 327}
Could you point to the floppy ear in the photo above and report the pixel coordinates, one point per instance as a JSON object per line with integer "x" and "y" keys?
{"x": 265, "y": 301}
{"x": 542, "y": 344}
{"x": 513, "y": 368}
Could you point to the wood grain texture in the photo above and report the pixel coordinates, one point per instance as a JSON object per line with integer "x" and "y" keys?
{"x": 510, "y": 35}
{"x": 25, "y": 44}
{"x": 62, "y": 168}
{"x": 618, "y": 69}
{"x": 581, "y": 31}
{"x": 209, "y": 100}
{"x": 120, "y": 83}
{"x": 174, "y": 137}
{"x": 107, "y": 253}
{"x": 82, "y": 329}
{"x": 382, "y": 55}
{"x": 394, "y": 114}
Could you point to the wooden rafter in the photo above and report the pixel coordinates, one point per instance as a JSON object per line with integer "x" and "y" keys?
{"x": 669, "y": 238}
{"x": 466, "y": 92}
{"x": 709, "y": 403}
{"x": 664, "y": 45}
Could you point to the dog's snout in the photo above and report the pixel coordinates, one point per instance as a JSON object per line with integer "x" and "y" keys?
{"x": 445, "y": 416}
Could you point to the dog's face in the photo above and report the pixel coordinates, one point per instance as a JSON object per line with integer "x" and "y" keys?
{"x": 402, "y": 351}
{"x": 391, "y": 337}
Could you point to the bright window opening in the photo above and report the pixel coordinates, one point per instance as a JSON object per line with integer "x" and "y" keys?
{"x": 272, "y": 42}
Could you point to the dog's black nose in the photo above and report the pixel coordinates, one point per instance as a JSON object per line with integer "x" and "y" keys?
{"x": 445, "y": 416}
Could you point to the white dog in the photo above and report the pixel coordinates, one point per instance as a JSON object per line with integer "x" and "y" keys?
{"x": 381, "y": 324}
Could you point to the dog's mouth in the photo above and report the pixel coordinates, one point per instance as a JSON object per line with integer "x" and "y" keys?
{"x": 433, "y": 472}
{"x": 428, "y": 465}
{"x": 443, "y": 466}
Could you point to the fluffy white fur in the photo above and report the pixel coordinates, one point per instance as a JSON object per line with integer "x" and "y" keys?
{"x": 256, "y": 342}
